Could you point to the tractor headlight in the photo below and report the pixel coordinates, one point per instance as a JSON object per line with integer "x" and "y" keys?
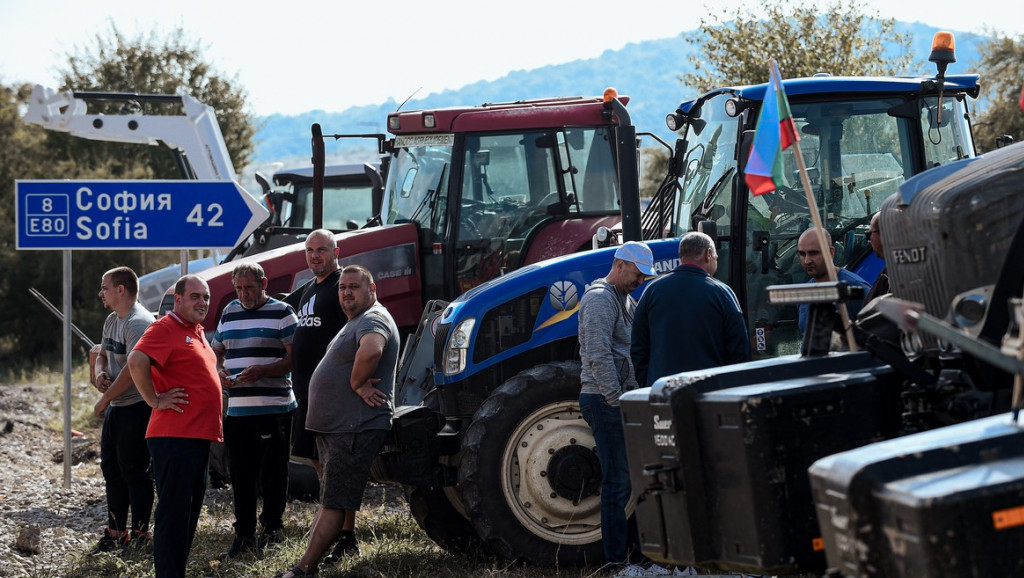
{"x": 457, "y": 347}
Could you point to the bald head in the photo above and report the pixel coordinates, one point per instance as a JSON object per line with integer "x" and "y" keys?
{"x": 322, "y": 253}
{"x": 812, "y": 257}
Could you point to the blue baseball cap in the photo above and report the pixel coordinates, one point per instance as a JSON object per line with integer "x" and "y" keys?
{"x": 637, "y": 253}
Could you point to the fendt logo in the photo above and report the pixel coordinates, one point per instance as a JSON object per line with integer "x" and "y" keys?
{"x": 563, "y": 295}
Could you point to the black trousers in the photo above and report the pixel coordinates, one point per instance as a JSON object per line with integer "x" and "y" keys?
{"x": 124, "y": 460}
{"x": 258, "y": 447}
{"x": 180, "y": 467}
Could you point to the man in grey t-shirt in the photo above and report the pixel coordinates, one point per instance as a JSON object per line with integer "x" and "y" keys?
{"x": 124, "y": 456}
{"x": 350, "y": 408}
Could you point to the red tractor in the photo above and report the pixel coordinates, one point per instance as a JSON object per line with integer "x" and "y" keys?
{"x": 474, "y": 192}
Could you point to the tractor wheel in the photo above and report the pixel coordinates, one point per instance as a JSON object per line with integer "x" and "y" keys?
{"x": 438, "y": 512}
{"x": 219, "y": 472}
{"x": 530, "y": 475}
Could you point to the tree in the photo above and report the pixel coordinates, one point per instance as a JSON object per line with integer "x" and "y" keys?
{"x": 654, "y": 161}
{"x": 840, "y": 40}
{"x": 1002, "y": 72}
{"x": 147, "y": 64}
{"x": 114, "y": 63}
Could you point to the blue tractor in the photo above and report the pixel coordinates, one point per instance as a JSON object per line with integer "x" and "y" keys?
{"x": 492, "y": 446}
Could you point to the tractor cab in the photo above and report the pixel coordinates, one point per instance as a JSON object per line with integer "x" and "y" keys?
{"x": 860, "y": 138}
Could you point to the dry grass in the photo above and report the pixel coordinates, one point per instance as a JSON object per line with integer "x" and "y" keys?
{"x": 392, "y": 544}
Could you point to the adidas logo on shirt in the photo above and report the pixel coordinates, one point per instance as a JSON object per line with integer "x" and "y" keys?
{"x": 306, "y": 317}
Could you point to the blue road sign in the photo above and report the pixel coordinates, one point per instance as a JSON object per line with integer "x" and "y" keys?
{"x": 134, "y": 214}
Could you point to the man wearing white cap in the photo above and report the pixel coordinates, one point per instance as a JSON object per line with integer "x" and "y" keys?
{"x": 605, "y": 321}
{"x": 688, "y": 320}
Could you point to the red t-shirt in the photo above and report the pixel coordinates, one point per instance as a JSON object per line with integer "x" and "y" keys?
{"x": 181, "y": 357}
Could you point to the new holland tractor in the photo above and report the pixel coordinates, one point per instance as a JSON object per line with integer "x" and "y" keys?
{"x": 497, "y": 453}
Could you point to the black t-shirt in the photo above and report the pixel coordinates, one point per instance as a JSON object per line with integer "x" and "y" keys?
{"x": 320, "y": 319}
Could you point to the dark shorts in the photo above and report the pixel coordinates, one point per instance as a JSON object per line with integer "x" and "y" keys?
{"x": 303, "y": 440}
{"x": 346, "y": 459}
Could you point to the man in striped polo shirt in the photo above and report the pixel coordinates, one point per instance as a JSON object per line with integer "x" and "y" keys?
{"x": 253, "y": 343}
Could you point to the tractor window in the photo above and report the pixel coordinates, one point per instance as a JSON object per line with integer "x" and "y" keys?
{"x": 416, "y": 190}
{"x": 588, "y": 169}
{"x": 945, "y": 133}
{"x": 344, "y": 206}
{"x": 509, "y": 181}
{"x": 706, "y": 187}
{"x": 856, "y": 156}
{"x": 515, "y": 183}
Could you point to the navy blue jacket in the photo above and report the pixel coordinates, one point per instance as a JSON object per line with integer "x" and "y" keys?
{"x": 686, "y": 320}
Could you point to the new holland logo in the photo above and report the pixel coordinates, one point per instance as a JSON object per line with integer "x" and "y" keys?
{"x": 565, "y": 299}
{"x": 563, "y": 295}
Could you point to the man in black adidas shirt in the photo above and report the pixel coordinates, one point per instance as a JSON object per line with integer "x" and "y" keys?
{"x": 320, "y": 319}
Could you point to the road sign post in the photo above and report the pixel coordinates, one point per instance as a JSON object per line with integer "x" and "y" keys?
{"x": 107, "y": 215}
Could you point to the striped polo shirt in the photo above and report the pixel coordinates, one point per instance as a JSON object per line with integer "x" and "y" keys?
{"x": 256, "y": 337}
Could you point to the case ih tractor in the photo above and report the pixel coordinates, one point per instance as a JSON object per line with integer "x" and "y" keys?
{"x": 471, "y": 193}
{"x": 498, "y": 453}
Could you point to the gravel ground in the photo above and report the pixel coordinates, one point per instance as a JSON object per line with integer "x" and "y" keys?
{"x": 32, "y": 493}
{"x": 45, "y": 527}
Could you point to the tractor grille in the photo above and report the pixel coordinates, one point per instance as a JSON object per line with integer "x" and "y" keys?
{"x": 954, "y": 234}
{"x": 440, "y": 340}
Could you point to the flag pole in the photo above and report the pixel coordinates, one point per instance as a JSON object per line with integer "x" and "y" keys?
{"x": 818, "y": 227}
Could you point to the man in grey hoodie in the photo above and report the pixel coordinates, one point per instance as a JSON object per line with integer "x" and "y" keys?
{"x": 605, "y": 322}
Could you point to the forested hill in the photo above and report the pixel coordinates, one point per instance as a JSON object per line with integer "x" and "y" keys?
{"x": 647, "y": 71}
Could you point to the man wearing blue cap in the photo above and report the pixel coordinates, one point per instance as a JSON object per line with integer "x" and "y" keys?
{"x": 688, "y": 320}
{"x": 605, "y": 321}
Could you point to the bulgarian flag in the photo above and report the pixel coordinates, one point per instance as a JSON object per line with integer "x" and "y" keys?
{"x": 775, "y": 133}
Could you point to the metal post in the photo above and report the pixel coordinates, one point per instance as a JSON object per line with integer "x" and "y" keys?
{"x": 67, "y": 368}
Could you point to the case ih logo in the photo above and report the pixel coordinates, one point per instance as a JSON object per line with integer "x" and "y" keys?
{"x": 563, "y": 295}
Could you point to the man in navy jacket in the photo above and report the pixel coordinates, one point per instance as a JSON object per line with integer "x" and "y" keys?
{"x": 688, "y": 320}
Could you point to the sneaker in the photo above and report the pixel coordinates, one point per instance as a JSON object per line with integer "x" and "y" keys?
{"x": 347, "y": 546}
{"x": 109, "y": 543}
{"x": 241, "y": 546}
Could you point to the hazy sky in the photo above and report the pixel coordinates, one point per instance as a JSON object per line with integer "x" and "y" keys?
{"x": 299, "y": 56}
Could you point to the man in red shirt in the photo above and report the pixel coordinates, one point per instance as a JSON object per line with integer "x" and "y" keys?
{"x": 175, "y": 371}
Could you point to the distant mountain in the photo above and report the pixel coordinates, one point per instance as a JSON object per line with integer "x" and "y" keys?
{"x": 647, "y": 71}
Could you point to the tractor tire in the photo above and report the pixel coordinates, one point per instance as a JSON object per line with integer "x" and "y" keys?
{"x": 530, "y": 475}
{"x": 438, "y": 515}
{"x": 439, "y": 511}
{"x": 219, "y": 472}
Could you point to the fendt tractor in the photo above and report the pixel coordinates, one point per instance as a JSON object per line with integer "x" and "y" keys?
{"x": 498, "y": 453}
{"x": 188, "y": 129}
{"x": 867, "y": 463}
{"x": 473, "y": 192}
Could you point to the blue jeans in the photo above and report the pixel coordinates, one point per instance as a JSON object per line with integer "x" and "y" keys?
{"x": 180, "y": 467}
{"x": 618, "y": 535}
